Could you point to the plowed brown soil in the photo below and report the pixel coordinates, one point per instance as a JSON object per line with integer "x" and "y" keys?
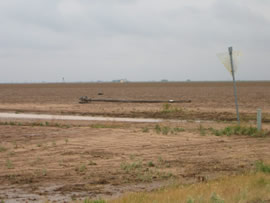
{"x": 75, "y": 159}
{"x": 210, "y": 100}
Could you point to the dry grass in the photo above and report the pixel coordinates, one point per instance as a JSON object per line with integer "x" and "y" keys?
{"x": 254, "y": 187}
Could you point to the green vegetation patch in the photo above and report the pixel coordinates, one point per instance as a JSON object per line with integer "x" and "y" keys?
{"x": 166, "y": 130}
{"x": 234, "y": 130}
{"x": 262, "y": 167}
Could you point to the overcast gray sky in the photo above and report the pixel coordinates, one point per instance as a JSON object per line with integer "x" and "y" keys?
{"x": 90, "y": 40}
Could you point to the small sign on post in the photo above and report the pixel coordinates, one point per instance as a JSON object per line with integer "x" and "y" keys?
{"x": 259, "y": 119}
{"x": 229, "y": 61}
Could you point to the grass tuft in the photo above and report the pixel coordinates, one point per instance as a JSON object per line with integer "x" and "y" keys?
{"x": 166, "y": 130}
{"x": 168, "y": 108}
{"x": 235, "y": 130}
{"x": 262, "y": 167}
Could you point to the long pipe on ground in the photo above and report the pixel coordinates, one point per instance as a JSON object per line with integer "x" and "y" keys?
{"x": 84, "y": 100}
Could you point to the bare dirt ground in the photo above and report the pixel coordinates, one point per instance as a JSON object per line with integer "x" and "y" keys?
{"x": 67, "y": 160}
{"x": 210, "y": 100}
{"x": 76, "y": 160}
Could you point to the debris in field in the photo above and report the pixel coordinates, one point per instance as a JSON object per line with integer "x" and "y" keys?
{"x": 85, "y": 99}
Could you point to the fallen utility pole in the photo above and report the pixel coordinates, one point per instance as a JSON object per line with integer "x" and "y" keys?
{"x": 85, "y": 99}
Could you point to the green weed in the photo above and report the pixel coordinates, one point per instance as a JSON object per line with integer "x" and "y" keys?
{"x": 239, "y": 130}
{"x": 168, "y": 108}
{"x": 145, "y": 130}
{"x": 150, "y": 164}
{"x": 178, "y": 129}
{"x": 131, "y": 166}
{"x": 262, "y": 167}
{"x": 166, "y": 130}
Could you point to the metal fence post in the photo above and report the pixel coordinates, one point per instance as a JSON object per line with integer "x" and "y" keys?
{"x": 259, "y": 119}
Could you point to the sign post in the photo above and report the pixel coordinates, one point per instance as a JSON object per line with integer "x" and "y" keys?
{"x": 234, "y": 83}
{"x": 230, "y": 62}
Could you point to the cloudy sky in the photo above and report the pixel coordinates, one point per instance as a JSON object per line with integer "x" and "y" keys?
{"x": 90, "y": 40}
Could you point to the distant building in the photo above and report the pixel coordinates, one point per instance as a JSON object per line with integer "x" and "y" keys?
{"x": 120, "y": 81}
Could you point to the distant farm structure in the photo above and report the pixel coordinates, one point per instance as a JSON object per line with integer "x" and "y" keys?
{"x": 120, "y": 81}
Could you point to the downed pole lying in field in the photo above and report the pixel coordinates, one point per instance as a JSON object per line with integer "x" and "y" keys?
{"x": 85, "y": 99}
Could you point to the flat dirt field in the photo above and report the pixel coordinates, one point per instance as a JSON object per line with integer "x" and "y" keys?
{"x": 209, "y": 100}
{"x": 66, "y": 160}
